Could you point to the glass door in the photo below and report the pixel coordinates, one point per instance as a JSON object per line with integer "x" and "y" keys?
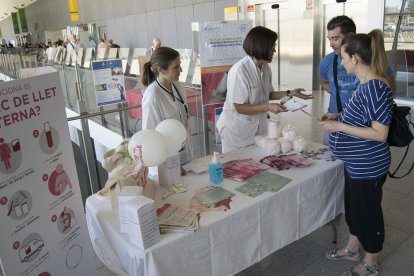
{"x": 275, "y": 17}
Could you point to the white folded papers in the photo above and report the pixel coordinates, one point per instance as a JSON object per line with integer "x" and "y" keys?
{"x": 169, "y": 172}
{"x": 177, "y": 219}
{"x": 293, "y": 104}
{"x": 126, "y": 194}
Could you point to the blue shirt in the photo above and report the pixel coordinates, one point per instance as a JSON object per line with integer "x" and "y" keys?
{"x": 347, "y": 83}
{"x": 365, "y": 159}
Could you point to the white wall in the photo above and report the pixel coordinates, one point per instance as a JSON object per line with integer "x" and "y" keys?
{"x": 130, "y": 23}
{"x": 7, "y": 30}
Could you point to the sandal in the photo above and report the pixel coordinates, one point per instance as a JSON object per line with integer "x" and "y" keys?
{"x": 349, "y": 255}
{"x": 370, "y": 270}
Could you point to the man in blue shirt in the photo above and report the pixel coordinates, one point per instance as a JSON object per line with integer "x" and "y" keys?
{"x": 338, "y": 27}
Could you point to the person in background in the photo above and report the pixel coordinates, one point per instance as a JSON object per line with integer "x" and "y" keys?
{"x": 358, "y": 136}
{"x": 51, "y": 53}
{"x": 73, "y": 46}
{"x": 164, "y": 97}
{"x": 249, "y": 89}
{"x": 112, "y": 44}
{"x": 156, "y": 43}
{"x": 74, "y": 43}
{"x": 103, "y": 44}
{"x": 337, "y": 28}
{"x": 92, "y": 43}
{"x": 60, "y": 51}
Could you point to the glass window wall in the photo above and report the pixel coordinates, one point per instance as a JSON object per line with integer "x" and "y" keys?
{"x": 399, "y": 44}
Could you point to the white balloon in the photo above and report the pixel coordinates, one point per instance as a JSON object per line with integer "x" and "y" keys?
{"x": 148, "y": 147}
{"x": 174, "y": 133}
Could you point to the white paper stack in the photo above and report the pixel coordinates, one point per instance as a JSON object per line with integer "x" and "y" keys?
{"x": 294, "y": 104}
{"x": 177, "y": 219}
{"x": 169, "y": 172}
{"x": 126, "y": 194}
{"x": 142, "y": 222}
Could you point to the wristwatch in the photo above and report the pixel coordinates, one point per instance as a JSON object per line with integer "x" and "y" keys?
{"x": 288, "y": 92}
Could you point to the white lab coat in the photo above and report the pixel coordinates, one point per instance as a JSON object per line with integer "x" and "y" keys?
{"x": 246, "y": 85}
{"x": 158, "y": 105}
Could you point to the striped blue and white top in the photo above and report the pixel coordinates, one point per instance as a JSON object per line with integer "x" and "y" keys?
{"x": 364, "y": 159}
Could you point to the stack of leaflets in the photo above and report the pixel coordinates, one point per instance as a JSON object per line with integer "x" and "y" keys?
{"x": 242, "y": 169}
{"x": 177, "y": 219}
{"x": 213, "y": 195}
{"x": 293, "y": 104}
{"x": 263, "y": 182}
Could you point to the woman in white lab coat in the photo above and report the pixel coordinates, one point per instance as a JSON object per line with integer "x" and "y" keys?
{"x": 164, "y": 98}
{"x": 249, "y": 89}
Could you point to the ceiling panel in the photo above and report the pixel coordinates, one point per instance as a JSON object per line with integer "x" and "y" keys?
{"x": 9, "y": 6}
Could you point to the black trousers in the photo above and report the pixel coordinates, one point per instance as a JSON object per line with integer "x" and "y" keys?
{"x": 363, "y": 212}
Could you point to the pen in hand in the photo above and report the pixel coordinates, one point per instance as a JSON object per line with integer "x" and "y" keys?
{"x": 307, "y": 113}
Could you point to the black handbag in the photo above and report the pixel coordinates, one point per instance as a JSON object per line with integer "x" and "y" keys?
{"x": 400, "y": 134}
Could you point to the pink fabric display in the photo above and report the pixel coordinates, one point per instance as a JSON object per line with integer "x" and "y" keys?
{"x": 284, "y": 162}
{"x": 242, "y": 169}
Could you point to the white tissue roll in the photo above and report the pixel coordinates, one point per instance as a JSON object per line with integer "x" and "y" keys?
{"x": 273, "y": 129}
{"x": 289, "y": 132}
{"x": 285, "y": 144}
{"x": 272, "y": 146}
{"x": 260, "y": 141}
{"x": 299, "y": 144}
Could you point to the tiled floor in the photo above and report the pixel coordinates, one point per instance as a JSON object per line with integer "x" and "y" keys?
{"x": 306, "y": 256}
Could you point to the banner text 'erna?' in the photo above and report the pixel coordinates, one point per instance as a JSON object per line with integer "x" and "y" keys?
{"x": 23, "y": 105}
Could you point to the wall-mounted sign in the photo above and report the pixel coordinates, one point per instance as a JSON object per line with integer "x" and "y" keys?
{"x": 73, "y": 10}
{"x": 15, "y": 23}
{"x": 23, "y": 22}
{"x": 72, "y": 6}
{"x": 74, "y": 17}
{"x": 230, "y": 13}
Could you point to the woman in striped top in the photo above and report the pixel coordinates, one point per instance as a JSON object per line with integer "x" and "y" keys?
{"x": 358, "y": 136}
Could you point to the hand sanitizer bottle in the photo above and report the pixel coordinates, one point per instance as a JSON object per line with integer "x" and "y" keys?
{"x": 215, "y": 169}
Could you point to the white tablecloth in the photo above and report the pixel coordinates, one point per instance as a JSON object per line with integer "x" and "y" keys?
{"x": 227, "y": 242}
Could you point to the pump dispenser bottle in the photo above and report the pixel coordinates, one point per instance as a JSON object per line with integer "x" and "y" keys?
{"x": 215, "y": 170}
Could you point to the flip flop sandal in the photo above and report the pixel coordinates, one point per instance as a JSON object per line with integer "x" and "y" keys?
{"x": 371, "y": 270}
{"x": 349, "y": 255}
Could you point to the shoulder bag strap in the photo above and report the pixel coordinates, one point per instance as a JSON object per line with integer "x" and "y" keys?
{"x": 335, "y": 76}
{"x": 393, "y": 175}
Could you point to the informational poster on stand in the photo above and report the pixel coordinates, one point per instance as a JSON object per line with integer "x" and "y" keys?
{"x": 43, "y": 227}
{"x": 109, "y": 81}
{"x": 221, "y": 43}
{"x": 220, "y": 46}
